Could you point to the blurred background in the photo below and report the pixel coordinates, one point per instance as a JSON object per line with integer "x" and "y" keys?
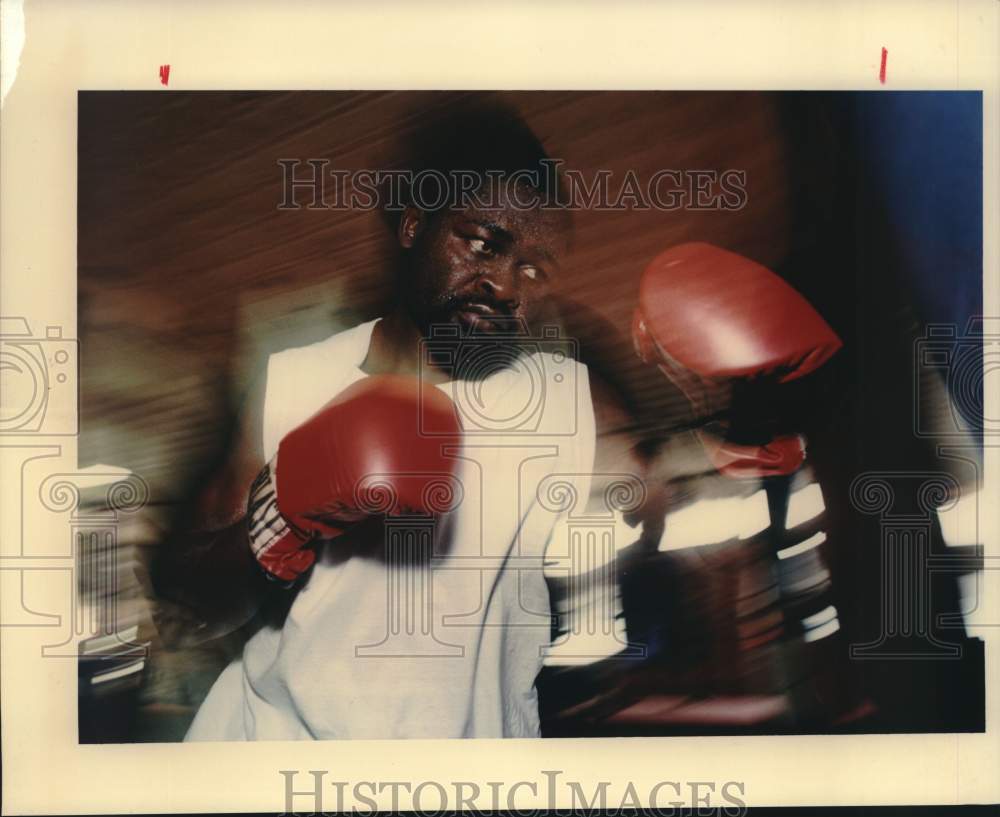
{"x": 714, "y": 616}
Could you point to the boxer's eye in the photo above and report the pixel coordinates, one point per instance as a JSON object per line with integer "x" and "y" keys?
{"x": 481, "y": 246}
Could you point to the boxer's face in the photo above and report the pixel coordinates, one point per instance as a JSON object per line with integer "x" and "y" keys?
{"x": 480, "y": 268}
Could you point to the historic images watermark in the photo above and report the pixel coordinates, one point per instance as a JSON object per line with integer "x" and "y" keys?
{"x": 313, "y": 184}
{"x": 313, "y": 792}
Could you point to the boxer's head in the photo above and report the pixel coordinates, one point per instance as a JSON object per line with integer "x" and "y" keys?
{"x": 483, "y": 232}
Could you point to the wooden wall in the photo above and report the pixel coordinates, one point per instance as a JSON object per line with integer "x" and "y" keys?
{"x": 189, "y": 274}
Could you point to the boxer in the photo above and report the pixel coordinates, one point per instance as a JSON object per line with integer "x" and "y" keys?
{"x": 407, "y": 531}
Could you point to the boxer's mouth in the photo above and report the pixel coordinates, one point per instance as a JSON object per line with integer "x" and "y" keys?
{"x": 481, "y": 316}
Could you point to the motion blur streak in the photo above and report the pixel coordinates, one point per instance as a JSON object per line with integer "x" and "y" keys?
{"x": 710, "y": 521}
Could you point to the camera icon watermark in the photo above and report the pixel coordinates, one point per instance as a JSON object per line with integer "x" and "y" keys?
{"x": 38, "y": 380}
{"x": 965, "y": 361}
{"x": 504, "y": 381}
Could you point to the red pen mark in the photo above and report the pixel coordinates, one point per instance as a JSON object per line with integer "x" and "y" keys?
{"x": 881, "y": 71}
{"x": 165, "y": 70}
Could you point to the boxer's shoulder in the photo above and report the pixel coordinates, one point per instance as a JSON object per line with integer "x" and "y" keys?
{"x": 301, "y": 379}
{"x": 348, "y": 346}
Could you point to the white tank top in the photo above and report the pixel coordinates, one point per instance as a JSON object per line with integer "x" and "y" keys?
{"x": 441, "y": 633}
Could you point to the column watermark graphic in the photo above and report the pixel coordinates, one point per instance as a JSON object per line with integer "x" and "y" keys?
{"x": 316, "y": 791}
{"x": 316, "y": 184}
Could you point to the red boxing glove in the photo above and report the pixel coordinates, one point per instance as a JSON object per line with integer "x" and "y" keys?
{"x": 709, "y": 318}
{"x": 385, "y": 445}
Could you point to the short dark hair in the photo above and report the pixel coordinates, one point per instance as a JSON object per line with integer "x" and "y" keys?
{"x": 482, "y": 139}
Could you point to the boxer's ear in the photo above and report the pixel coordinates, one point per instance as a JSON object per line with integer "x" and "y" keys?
{"x": 411, "y": 224}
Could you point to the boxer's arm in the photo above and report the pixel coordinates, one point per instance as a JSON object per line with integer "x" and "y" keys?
{"x": 616, "y": 456}
{"x": 620, "y": 452}
{"x": 207, "y": 565}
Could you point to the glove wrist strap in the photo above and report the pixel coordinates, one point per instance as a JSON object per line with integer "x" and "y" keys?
{"x": 276, "y": 544}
